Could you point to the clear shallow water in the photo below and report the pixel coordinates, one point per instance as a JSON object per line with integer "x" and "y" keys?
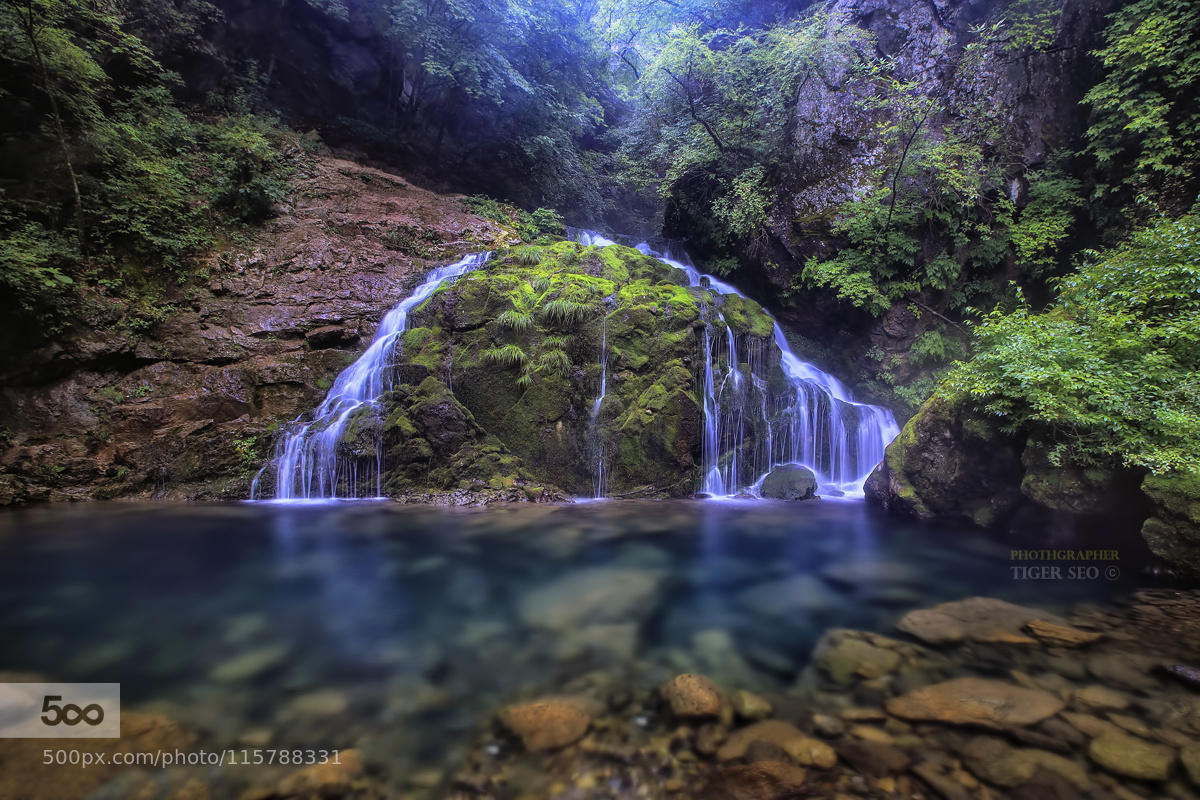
{"x": 400, "y": 630}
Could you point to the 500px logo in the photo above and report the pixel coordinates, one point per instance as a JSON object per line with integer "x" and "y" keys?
{"x": 60, "y": 710}
{"x": 71, "y": 714}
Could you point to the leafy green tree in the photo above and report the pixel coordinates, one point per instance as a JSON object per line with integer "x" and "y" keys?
{"x": 1108, "y": 376}
{"x": 1146, "y": 126}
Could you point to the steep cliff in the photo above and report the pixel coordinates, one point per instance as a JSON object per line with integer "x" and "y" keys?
{"x": 187, "y": 406}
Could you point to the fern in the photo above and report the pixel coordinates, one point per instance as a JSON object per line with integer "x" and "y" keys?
{"x": 555, "y": 361}
{"x": 564, "y": 312}
{"x": 516, "y": 321}
{"x": 507, "y": 356}
{"x": 527, "y": 256}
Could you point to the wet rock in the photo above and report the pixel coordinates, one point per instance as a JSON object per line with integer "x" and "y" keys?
{"x": 1127, "y": 670}
{"x": 1190, "y": 758}
{"x": 873, "y": 758}
{"x": 980, "y": 619}
{"x": 845, "y": 655}
{"x": 549, "y": 723}
{"x": 1089, "y": 725}
{"x": 693, "y": 696}
{"x": 250, "y": 664}
{"x": 976, "y": 701}
{"x": 1060, "y": 635}
{"x": 788, "y": 598}
{"x": 1173, "y": 529}
{"x": 790, "y": 482}
{"x": 800, "y": 748}
{"x": 1101, "y": 697}
{"x": 830, "y": 727}
{"x": 1132, "y": 757}
{"x": 940, "y": 778}
{"x": 615, "y": 640}
{"x": 324, "y": 780}
{"x": 750, "y": 706}
{"x": 762, "y": 780}
{"x": 590, "y": 596}
{"x": 995, "y": 761}
{"x": 330, "y": 336}
{"x": 322, "y": 703}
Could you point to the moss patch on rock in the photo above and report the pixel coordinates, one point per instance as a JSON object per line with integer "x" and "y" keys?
{"x": 516, "y": 348}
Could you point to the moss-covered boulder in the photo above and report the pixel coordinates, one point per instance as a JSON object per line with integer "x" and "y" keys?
{"x": 949, "y": 464}
{"x": 506, "y": 365}
{"x": 1173, "y": 528}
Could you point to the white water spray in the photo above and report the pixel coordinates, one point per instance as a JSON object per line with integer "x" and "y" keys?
{"x": 748, "y": 431}
{"x": 308, "y": 465}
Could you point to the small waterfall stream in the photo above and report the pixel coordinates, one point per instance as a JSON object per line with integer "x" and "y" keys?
{"x": 747, "y": 431}
{"x": 307, "y": 466}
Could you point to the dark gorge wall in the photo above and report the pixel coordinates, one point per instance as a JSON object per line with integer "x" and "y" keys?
{"x": 837, "y": 155}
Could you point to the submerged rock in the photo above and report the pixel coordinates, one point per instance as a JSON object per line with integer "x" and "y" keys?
{"x": 1132, "y": 757}
{"x": 802, "y": 749}
{"x": 693, "y": 696}
{"x": 790, "y": 482}
{"x": 549, "y": 723}
{"x": 976, "y": 701}
{"x": 846, "y": 655}
{"x": 762, "y": 780}
{"x": 980, "y": 619}
{"x": 591, "y": 596}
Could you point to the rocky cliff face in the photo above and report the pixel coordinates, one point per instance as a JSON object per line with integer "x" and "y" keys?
{"x": 188, "y": 407}
{"x": 837, "y": 151}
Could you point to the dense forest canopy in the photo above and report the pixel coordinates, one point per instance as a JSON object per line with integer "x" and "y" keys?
{"x": 139, "y": 135}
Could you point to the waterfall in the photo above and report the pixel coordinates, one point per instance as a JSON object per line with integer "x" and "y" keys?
{"x": 601, "y": 485}
{"x": 748, "y": 431}
{"x": 308, "y": 465}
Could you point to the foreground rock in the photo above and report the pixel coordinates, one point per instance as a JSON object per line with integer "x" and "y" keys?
{"x": 547, "y": 724}
{"x": 980, "y": 619}
{"x": 762, "y": 780}
{"x": 976, "y": 701}
{"x": 847, "y": 655}
{"x": 802, "y": 749}
{"x": 1132, "y": 757}
{"x": 789, "y": 482}
{"x": 693, "y": 696}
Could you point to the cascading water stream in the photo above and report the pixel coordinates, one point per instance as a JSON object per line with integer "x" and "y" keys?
{"x": 307, "y": 462}
{"x": 601, "y": 486}
{"x": 817, "y": 424}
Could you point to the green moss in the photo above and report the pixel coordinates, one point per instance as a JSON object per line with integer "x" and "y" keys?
{"x": 747, "y": 317}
